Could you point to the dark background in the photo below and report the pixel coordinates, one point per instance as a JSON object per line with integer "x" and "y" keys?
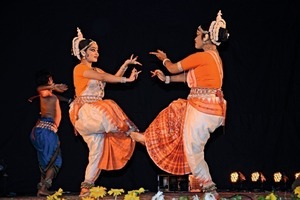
{"x": 261, "y": 83}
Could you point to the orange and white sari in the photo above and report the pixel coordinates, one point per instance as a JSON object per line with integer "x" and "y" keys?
{"x": 175, "y": 140}
{"x": 102, "y": 124}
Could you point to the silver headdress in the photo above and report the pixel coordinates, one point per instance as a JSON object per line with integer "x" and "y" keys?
{"x": 75, "y": 44}
{"x": 215, "y": 27}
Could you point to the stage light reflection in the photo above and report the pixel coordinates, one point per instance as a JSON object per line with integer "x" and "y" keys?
{"x": 234, "y": 177}
{"x": 280, "y": 181}
{"x": 237, "y": 178}
{"x": 277, "y": 176}
{"x": 258, "y": 177}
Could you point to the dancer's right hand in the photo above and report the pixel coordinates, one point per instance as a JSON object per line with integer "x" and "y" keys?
{"x": 159, "y": 74}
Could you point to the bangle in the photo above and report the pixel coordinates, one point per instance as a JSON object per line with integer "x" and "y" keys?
{"x": 123, "y": 79}
{"x": 124, "y": 69}
{"x": 168, "y": 80}
{"x": 165, "y": 60}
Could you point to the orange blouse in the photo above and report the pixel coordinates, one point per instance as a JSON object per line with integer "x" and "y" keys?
{"x": 80, "y": 82}
{"x": 208, "y": 73}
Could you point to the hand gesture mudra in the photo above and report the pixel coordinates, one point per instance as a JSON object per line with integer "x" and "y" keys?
{"x": 134, "y": 75}
{"x": 132, "y": 61}
{"x": 60, "y": 87}
{"x": 159, "y": 74}
{"x": 159, "y": 54}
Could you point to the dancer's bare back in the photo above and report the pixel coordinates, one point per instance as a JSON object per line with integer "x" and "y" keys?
{"x": 49, "y": 104}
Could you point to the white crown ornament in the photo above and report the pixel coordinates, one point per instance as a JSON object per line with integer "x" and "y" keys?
{"x": 75, "y": 44}
{"x": 214, "y": 28}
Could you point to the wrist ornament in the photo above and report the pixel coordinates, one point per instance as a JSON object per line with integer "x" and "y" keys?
{"x": 124, "y": 68}
{"x": 123, "y": 79}
{"x": 168, "y": 80}
{"x": 165, "y": 60}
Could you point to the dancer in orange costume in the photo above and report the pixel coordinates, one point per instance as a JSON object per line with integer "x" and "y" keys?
{"x": 101, "y": 122}
{"x": 175, "y": 140}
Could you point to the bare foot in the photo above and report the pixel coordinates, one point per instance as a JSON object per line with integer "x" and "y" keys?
{"x": 84, "y": 192}
{"x": 139, "y": 137}
{"x": 43, "y": 192}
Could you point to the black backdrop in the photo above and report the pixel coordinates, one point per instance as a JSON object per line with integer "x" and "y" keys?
{"x": 261, "y": 84}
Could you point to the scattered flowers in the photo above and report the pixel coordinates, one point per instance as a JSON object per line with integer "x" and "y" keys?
{"x": 56, "y": 196}
{"x": 97, "y": 192}
{"x": 100, "y": 192}
{"x": 115, "y": 192}
{"x": 271, "y": 196}
{"x": 297, "y": 192}
{"x": 133, "y": 195}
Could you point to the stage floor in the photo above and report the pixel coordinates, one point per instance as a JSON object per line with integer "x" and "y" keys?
{"x": 170, "y": 196}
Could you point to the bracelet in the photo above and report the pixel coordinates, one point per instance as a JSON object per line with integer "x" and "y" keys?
{"x": 165, "y": 60}
{"x": 123, "y": 79}
{"x": 168, "y": 80}
{"x": 124, "y": 69}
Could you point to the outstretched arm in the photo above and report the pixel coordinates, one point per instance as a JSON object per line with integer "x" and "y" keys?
{"x": 106, "y": 77}
{"x": 167, "y": 79}
{"x": 171, "y": 67}
{"x": 56, "y": 87}
{"x": 60, "y": 98}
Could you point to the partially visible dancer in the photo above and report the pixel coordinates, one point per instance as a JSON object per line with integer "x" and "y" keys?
{"x": 176, "y": 139}
{"x": 44, "y": 134}
{"x": 101, "y": 122}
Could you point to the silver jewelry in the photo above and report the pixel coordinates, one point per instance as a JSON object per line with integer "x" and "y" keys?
{"x": 123, "y": 79}
{"x": 165, "y": 60}
{"x": 124, "y": 69}
{"x": 168, "y": 80}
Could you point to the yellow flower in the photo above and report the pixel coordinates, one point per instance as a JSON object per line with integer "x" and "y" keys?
{"x": 139, "y": 191}
{"x": 115, "y": 192}
{"x": 131, "y": 196}
{"x": 297, "y": 191}
{"x": 97, "y": 192}
{"x": 56, "y": 195}
{"x": 271, "y": 196}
